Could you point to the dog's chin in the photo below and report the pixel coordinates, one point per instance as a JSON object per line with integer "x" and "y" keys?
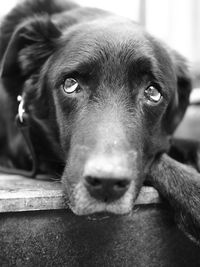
{"x": 81, "y": 203}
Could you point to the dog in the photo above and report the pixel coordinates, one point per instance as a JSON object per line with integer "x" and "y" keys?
{"x": 103, "y": 98}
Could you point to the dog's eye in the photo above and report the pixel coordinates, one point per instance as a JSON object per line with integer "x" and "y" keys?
{"x": 153, "y": 94}
{"x": 70, "y": 86}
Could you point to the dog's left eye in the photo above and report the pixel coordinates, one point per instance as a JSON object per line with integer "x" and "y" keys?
{"x": 153, "y": 94}
{"x": 70, "y": 86}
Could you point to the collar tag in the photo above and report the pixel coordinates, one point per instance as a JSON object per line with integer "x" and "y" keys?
{"x": 21, "y": 109}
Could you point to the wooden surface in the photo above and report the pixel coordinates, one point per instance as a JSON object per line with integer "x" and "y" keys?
{"x": 25, "y": 194}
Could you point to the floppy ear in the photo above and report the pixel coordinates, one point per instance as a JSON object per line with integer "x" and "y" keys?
{"x": 30, "y": 45}
{"x": 180, "y": 100}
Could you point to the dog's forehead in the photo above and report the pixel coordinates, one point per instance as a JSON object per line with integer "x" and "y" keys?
{"x": 115, "y": 45}
{"x": 115, "y": 35}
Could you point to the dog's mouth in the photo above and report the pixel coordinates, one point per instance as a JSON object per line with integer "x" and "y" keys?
{"x": 101, "y": 216}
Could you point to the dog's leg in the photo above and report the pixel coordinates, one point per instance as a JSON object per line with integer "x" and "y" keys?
{"x": 180, "y": 185}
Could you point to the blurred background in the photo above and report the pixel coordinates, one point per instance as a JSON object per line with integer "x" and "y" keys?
{"x": 177, "y": 22}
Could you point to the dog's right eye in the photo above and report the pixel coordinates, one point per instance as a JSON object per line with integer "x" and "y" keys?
{"x": 70, "y": 86}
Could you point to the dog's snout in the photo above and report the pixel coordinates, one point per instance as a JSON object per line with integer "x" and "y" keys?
{"x": 106, "y": 189}
{"x": 107, "y": 178}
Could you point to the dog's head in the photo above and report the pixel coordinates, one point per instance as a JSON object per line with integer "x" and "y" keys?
{"x": 110, "y": 92}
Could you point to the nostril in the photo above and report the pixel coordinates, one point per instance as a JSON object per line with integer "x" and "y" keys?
{"x": 122, "y": 184}
{"x": 93, "y": 181}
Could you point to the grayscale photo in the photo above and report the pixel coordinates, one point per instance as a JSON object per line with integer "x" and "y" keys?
{"x": 100, "y": 133}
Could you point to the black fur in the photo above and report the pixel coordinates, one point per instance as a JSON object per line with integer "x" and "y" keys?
{"x": 114, "y": 60}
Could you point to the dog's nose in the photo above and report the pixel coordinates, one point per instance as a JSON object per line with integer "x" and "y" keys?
{"x": 107, "y": 178}
{"x": 105, "y": 189}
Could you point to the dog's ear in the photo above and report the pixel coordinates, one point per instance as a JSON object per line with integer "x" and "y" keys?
{"x": 180, "y": 100}
{"x": 30, "y": 45}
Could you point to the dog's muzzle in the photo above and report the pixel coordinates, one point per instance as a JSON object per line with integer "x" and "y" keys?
{"x": 107, "y": 178}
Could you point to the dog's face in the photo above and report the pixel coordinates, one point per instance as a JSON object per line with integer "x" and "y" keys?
{"x": 116, "y": 95}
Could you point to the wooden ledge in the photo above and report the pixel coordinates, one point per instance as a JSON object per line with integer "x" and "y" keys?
{"x": 25, "y": 194}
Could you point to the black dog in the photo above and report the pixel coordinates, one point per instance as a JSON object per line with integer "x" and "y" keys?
{"x": 103, "y": 99}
